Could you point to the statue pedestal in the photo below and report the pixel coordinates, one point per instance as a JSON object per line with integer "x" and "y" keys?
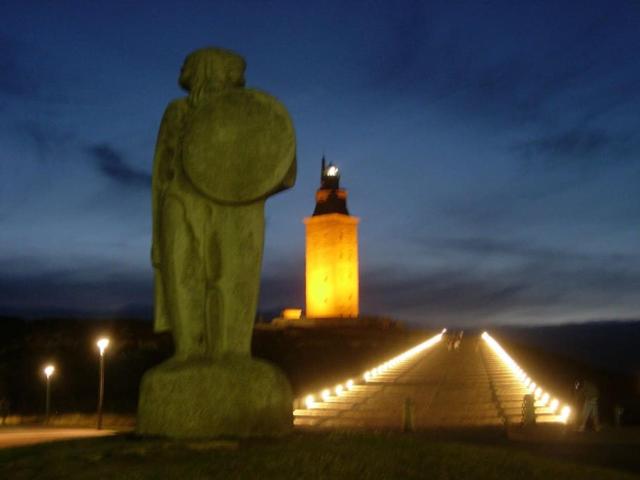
{"x": 238, "y": 397}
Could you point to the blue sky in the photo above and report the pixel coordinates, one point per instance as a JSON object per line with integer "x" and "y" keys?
{"x": 491, "y": 150}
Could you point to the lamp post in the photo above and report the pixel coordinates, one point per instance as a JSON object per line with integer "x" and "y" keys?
{"x": 48, "y": 371}
{"x": 102, "y": 343}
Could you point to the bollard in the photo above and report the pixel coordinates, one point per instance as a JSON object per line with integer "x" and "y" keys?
{"x": 528, "y": 411}
{"x": 408, "y": 415}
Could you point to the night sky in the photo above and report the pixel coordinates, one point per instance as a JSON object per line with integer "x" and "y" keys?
{"x": 491, "y": 150}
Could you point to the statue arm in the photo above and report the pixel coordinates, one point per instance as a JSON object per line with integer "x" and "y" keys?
{"x": 163, "y": 169}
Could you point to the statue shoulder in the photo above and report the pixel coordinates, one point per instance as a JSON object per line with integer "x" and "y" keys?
{"x": 172, "y": 119}
{"x": 175, "y": 109}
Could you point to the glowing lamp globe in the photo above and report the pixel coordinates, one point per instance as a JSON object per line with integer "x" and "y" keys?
{"x": 102, "y": 344}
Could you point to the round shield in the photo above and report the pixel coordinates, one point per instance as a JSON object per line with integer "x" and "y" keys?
{"x": 238, "y": 146}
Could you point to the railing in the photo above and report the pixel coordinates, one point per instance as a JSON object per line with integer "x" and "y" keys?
{"x": 542, "y": 397}
{"x": 312, "y": 400}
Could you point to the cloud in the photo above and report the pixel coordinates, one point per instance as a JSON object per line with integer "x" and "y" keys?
{"x": 468, "y": 297}
{"x": 16, "y": 77}
{"x": 281, "y": 289}
{"x": 46, "y": 140}
{"x": 111, "y": 164}
{"x": 537, "y": 283}
{"x": 27, "y": 287}
{"x": 451, "y": 293}
{"x": 457, "y": 59}
{"x": 32, "y": 286}
{"x": 586, "y": 147}
{"x": 480, "y": 247}
{"x": 405, "y": 40}
{"x": 483, "y": 247}
{"x": 443, "y": 67}
{"x": 480, "y": 279}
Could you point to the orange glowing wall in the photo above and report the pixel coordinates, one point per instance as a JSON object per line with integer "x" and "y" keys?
{"x": 291, "y": 314}
{"x": 332, "y": 266}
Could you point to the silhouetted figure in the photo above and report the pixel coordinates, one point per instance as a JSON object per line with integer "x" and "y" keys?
{"x": 458, "y": 340}
{"x": 587, "y": 395}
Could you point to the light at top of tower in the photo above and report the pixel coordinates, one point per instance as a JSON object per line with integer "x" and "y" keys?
{"x": 330, "y": 198}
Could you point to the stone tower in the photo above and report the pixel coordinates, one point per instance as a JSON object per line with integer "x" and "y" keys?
{"x": 331, "y": 251}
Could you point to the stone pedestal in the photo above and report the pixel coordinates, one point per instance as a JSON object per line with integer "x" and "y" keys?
{"x": 238, "y": 397}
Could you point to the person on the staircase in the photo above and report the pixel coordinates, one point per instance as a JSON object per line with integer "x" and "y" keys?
{"x": 587, "y": 394}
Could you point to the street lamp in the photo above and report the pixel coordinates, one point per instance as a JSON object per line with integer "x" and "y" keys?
{"x": 102, "y": 343}
{"x": 48, "y": 371}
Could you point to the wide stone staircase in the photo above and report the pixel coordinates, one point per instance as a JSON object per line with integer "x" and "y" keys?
{"x": 440, "y": 387}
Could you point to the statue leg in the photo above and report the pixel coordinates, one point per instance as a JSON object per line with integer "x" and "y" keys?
{"x": 160, "y": 318}
{"x": 215, "y": 333}
{"x": 183, "y": 281}
{"x": 242, "y": 243}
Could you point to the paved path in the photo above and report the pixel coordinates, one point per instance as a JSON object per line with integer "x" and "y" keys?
{"x": 20, "y": 436}
{"x": 470, "y": 387}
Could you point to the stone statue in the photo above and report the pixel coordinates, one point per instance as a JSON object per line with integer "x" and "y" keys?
{"x": 221, "y": 152}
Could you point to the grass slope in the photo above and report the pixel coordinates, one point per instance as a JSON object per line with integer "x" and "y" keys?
{"x": 302, "y": 455}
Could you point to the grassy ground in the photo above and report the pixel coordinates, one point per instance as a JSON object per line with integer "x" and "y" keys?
{"x": 611, "y": 447}
{"x": 302, "y": 455}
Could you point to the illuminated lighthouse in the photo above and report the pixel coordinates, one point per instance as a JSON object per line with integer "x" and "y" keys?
{"x": 331, "y": 251}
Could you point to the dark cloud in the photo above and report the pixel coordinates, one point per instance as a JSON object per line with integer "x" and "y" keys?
{"x": 46, "y": 140}
{"x": 452, "y": 294}
{"x": 28, "y": 287}
{"x": 484, "y": 246}
{"x": 111, "y": 164}
{"x": 445, "y": 68}
{"x": 17, "y": 78}
{"x": 68, "y": 291}
{"x": 534, "y": 279}
{"x": 466, "y": 296}
{"x": 487, "y": 278}
{"x": 282, "y": 290}
{"x": 580, "y": 147}
{"x": 527, "y": 251}
{"x": 459, "y": 59}
{"x": 406, "y": 38}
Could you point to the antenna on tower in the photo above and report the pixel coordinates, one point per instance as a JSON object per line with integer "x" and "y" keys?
{"x": 323, "y": 166}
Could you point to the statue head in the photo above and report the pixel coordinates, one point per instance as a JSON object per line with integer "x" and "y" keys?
{"x": 210, "y": 69}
